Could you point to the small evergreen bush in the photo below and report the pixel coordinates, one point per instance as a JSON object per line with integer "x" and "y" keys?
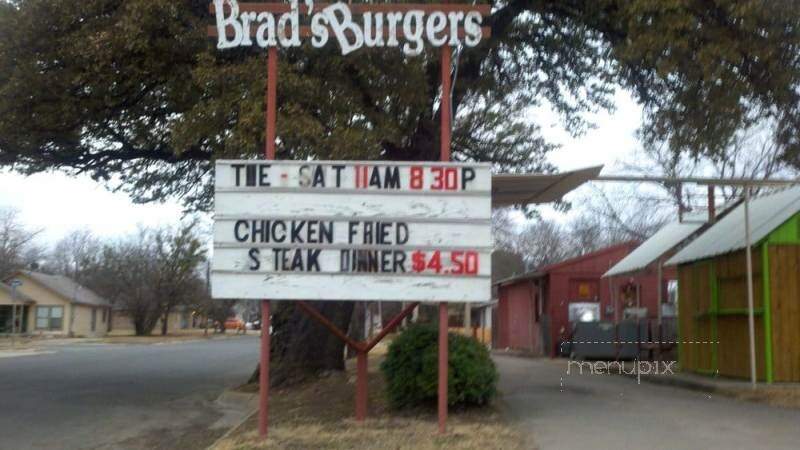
{"x": 411, "y": 369}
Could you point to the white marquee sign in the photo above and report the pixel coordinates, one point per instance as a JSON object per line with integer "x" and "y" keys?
{"x": 297, "y": 230}
{"x": 380, "y": 27}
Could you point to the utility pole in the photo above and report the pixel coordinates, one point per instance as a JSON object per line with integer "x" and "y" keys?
{"x": 750, "y": 312}
{"x": 15, "y": 283}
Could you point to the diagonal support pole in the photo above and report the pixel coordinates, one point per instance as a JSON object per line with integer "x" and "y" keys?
{"x": 322, "y": 320}
{"x": 391, "y": 325}
{"x": 362, "y": 349}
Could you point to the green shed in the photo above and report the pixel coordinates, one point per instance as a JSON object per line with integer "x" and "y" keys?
{"x": 712, "y": 293}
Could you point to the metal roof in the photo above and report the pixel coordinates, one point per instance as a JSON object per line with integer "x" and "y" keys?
{"x": 547, "y": 269}
{"x": 67, "y": 288}
{"x": 523, "y": 189}
{"x": 521, "y": 277}
{"x": 665, "y": 239}
{"x": 766, "y": 213}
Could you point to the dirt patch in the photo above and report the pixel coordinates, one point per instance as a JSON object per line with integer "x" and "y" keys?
{"x": 787, "y": 397}
{"x": 319, "y": 415}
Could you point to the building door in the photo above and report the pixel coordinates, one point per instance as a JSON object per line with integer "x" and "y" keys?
{"x": 94, "y": 319}
{"x": 5, "y": 319}
{"x": 21, "y": 315}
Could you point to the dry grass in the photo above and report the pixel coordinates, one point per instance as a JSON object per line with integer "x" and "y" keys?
{"x": 382, "y": 433}
{"x": 319, "y": 415}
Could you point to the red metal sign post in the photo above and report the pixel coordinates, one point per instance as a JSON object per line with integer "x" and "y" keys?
{"x": 269, "y": 153}
{"x": 444, "y": 111}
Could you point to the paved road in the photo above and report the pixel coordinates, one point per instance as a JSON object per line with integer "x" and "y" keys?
{"x": 560, "y": 411}
{"x": 120, "y": 396}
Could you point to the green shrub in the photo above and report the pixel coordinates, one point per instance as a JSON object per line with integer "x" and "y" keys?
{"x": 411, "y": 369}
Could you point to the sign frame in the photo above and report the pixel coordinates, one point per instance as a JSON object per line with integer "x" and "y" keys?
{"x": 362, "y": 348}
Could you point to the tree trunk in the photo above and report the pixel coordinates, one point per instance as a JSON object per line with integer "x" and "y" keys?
{"x": 356, "y": 330}
{"x": 164, "y": 320}
{"x": 141, "y": 326}
{"x": 144, "y": 321}
{"x": 300, "y": 347}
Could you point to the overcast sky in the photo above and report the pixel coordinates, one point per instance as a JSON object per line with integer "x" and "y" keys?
{"x": 58, "y": 204}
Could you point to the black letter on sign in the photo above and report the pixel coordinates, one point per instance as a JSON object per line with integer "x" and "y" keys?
{"x": 468, "y": 174}
{"x": 402, "y": 234}
{"x": 255, "y": 263}
{"x": 251, "y": 175}
{"x": 312, "y": 262}
{"x": 238, "y": 168}
{"x": 263, "y": 174}
{"x": 392, "y": 177}
{"x": 338, "y": 170}
{"x": 319, "y": 177}
{"x": 236, "y": 234}
{"x": 352, "y": 230}
{"x": 297, "y": 227}
{"x": 304, "y": 179}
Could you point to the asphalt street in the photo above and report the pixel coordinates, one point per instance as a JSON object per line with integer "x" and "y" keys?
{"x": 557, "y": 410}
{"x": 90, "y": 396}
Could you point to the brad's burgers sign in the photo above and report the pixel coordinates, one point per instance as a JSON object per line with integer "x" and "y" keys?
{"x": 409, "y": 26}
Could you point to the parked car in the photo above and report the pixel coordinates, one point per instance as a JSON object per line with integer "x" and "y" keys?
{"x": 234, "y": 324}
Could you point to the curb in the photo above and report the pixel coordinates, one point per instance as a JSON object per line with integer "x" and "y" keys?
{"x": 515, "y": 353}
{"x": 228, "y": 433}
{"x": 24, "y": 352}
{"x": 227, "y": 393}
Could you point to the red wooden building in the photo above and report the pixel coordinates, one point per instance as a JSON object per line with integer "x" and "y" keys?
{"x": 535, "y": 310}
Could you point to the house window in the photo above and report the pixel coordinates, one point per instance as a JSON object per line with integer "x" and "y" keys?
{"x": 49, "y": 317}
{"x": 105, "y": 311}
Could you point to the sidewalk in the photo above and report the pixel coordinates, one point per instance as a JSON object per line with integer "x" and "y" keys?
{"x": 35, "y": 345}
{"x": 12, "y": 353}
{"x": 607, "y": 411}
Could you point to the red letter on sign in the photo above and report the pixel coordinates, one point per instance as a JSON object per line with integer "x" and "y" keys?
{"x": 415, "y": 181}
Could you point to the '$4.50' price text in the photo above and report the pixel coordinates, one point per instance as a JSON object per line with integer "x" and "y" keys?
{"x": 447, "y": 263}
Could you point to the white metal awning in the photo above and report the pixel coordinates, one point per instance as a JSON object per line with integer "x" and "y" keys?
{"x": 728, "y": 235}
{"x": 525, "y": 189}
{"x": 667, "y": 238}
